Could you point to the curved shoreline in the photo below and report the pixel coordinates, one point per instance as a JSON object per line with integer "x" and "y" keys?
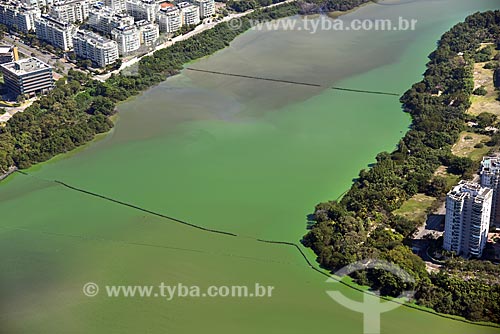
{"x": 366, "y": 208}
{"x": 294, "y": 245}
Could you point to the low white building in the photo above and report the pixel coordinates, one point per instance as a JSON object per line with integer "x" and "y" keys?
{"x": 100, "y": 50}
{"x": 27, "y": 76}
{"x": 128, "y": 39}
{"x": 169, "y": 19}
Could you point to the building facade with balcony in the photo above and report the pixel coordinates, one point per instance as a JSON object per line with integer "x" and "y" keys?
{"x": 207, "y": 7}
{"x": 490, "y": 177}
{"x": 143, "y": 9}
{"x": 104, "y": 19}
{"x": 190, "y": 13}
{"x": 57, "y": 33}
{"x": 116, "y": 5}
{"x": 169, "y": 19}
{"x": 100, "y": 50}
{"x": 468, "y": 210}
{"x": 19, "y": 17}
{"x": 71, "y": 11}
{"x": 128, "y": 39}
{"x": 148, "y": 32}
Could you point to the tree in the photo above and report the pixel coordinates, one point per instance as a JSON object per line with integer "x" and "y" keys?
{"x": 486, "y": 119}
{"x": 480, "y": 91}
{"x": 437, "y": 187}
{"x": 102, "y": 105}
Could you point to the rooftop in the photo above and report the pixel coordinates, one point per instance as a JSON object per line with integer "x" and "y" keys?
{"x": 25, "y": 66}
{"x": 5, "y": 49}
{"x": 490, "y": 163}
{"x": 93, "y": 38}
{"x": 465, "y": 188}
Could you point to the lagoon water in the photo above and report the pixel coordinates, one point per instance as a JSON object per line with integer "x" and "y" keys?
{"x": 241, "y": 155}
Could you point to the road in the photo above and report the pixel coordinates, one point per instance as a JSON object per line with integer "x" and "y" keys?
{"x": 46, "y": 58}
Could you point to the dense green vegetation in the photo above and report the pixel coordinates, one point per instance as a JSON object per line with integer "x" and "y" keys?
{"x": 58, "y": 122}
{"x": 480, "y": 91}
{"x": 241, "y": 6}
{"x": 336, "y": 5}
{"x": 361, "y": 224}
{"x": 77, "y": 109}
{"x": 310, "y": 6}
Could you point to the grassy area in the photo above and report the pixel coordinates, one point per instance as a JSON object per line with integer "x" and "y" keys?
{"x": 465, "y": 146}
{"x": 451, "y": 179}
{"x": 487, "y": 103}
{"x": 416, "y": 207}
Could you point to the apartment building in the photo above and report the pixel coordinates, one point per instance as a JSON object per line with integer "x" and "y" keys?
{"x": 100, "y": 50}
{"x": 148, "y": 32}
{"x": 20, "y": 17}
{"x": 128, "y": 39}
{"x": 207, "y": 7}
{"x": 116, "y": 5}
{"x": 142, "y": 9}
{"x": 490, "y": 177}
{"x": 169, "y": 19}
{"x": 37, "y": 3}
{"x": 71, "y": 11}
{"x": 104, "y": 19}
{"x": 468, "y": 210}
{"x": 27, "y": 76}
{"x": 190, "y": 13}
{"x": 57, "y": 33}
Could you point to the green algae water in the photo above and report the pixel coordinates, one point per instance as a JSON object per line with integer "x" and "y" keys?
{"x": 244, "y": 156}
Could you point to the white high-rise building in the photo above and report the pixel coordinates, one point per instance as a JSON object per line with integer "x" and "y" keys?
{"x": 143, "y": 9}
{"x": 169, "y": 19}
{"x": 71, "y": 11}
{"x": 100, "y": 50}
{"x": 190, "y": 13}
{"x": 207, "y": 7}
{"x": 128, "y": 39}
{"x": 468, "y": 209}
{"x": 148, "y": 32}
{"x": 18, "y": 17}
{"x": 57, "y": 33}
{"x": 490, "y": 177}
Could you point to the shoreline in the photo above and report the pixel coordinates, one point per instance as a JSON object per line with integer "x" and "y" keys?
{"x": 114, "y": 119}
{"x": 369, "y": 202}
{"x": 271, "y": 12}
{"x": 8, "y": 173}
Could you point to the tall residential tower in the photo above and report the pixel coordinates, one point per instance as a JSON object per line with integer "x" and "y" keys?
{"x": 468, "y": 209}
{"x": 490, "y": 177}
